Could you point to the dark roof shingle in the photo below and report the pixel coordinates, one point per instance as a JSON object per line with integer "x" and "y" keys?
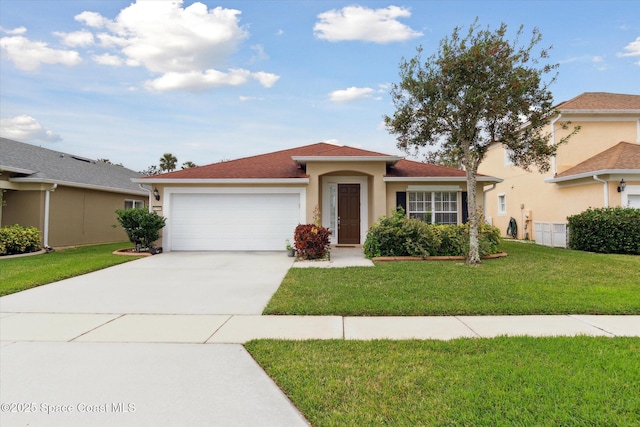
{"x": 622, "y": 156}
{"x": 44, "y": 165}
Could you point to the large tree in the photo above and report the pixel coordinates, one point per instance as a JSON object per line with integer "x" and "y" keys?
{"x": 478, "y": 89}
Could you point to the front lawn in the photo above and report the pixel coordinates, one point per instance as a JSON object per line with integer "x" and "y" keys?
{"x": 533, "y": 279}
{"x": 502, "y": 381}
{"x": 18, "y": 274}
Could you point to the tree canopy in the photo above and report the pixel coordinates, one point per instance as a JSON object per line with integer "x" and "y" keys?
{"x": 477, "y": 90}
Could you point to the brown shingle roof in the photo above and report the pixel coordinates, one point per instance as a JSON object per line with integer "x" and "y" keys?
{"x": 601, "y": 101}
{"x": 280, "y": 164}
{"x": 622, "y": 156}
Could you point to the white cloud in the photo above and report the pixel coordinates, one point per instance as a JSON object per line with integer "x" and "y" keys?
{"x": 108, "y": 59}
{"x": 76, "y": 38}
{"x": 362, "y": 23}
{"x": 265, "y": 79}
{"x": 185, "y": 47}
{"x": 26, "y": 129}
{"x": 260, "y": 54}
{"x": 92, "y": 19}
{"x": 633, "y": 49}
{"x": 197, "y": 81}
{"x": 29, "y": 55}
{"x": 14, "y": 32}
{"x": 250, "y": 98}
{"x": 350, "y": 94}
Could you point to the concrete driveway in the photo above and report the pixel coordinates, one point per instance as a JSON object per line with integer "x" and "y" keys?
{"x": 169, "y": 283}
{"x": 51, "y": 377}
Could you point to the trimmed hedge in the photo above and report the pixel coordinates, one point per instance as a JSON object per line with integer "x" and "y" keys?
{"x": 16, "y": 239}
{"x": 606, "y": 230}
{"x": 398, "y": 235}
{"x": 311, "y": 241}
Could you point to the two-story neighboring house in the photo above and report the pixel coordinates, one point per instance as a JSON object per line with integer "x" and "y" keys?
{"x": 598, "y": 167}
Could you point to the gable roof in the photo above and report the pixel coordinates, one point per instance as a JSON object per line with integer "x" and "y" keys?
{"x": 30, "y": 163}
{"x": 601, "y": 102}
{"x": 623, "y": 157}
{"x": 287, "y": 165}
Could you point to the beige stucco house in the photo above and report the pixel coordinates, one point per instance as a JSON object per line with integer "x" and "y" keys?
{"x": 255, "y": 203}
{"x": 598, "y": 167}
{"x": 70, "y": 199}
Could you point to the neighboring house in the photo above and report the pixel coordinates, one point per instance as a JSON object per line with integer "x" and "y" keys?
{"x": 598, "y": 167}
{"x": 255, "y": 203}
{"x": 70, "y": 199}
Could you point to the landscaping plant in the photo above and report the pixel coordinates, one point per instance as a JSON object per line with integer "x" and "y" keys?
{"x": 142, "y": 227}
{"x": 606, "y": 230}
{"x": 398, "y": 235}
{"x": 311, "y": 241}
{"x": 16, "y": 239}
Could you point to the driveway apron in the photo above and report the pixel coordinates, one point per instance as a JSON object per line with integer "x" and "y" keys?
{"x": 142, "y": 384}
{"x": 169, "y": 283}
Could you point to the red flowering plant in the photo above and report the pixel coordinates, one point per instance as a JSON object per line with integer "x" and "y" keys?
{"x": 311, "y": 241}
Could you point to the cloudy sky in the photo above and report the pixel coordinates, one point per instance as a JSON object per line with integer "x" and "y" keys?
{"x": 214, "y": 80}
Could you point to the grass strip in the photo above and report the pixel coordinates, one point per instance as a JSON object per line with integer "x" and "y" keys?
{"x": 18, "y": 274}
{"x": 533, "y": 279}
{"x": 519, "y": 381}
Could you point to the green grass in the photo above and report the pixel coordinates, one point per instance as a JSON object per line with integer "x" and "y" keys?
{"x": 533, "y": 279}
{"x": 578, "y": 381}
{"x": 18, "y": 274}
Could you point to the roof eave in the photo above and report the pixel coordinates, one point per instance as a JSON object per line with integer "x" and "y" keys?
{"x": 78, "y": 185}
{"x": 14, "y": 169}
{"x": 220, "y": 180}
{"x": 593, "y": 173}
{"x": 481, "y": 179}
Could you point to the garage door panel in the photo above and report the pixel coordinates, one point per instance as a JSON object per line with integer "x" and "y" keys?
{"x": 255, "y": 221}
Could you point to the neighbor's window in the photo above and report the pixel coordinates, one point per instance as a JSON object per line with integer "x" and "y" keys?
{"x": 502, "y": 204}
{"x": 437, "y": 207}
{"x": 133, "y": 204}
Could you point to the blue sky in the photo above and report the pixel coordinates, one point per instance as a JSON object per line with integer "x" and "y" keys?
{"x": 215, "y": 80}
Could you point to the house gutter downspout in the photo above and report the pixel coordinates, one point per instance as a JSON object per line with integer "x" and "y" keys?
{"x": 554, "y": 168}
{"x": 147, "y": 188}
{"x": 47, "y": 203}
{"x": 484, "y": 200}
{"x": 606, "y": 190}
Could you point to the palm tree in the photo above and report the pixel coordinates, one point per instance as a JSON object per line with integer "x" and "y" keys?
{"x": 168, "y": 162}
{"x": 188, "y": 165}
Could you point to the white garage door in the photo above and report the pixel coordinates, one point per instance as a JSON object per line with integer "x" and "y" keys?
{"x": 233, "y": 222}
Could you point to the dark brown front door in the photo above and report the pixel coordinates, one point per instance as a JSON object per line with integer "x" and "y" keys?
{"x": 348, "y": 213}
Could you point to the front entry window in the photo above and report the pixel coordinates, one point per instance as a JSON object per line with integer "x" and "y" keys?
{"x": 333, "y": 207}
{"x": 436, "y": 207}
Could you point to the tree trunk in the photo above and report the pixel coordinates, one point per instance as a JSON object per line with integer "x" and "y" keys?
{"x": 474, "y": 251}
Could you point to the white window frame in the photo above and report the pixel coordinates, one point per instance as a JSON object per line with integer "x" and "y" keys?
{"x": 429, "y": 206}
{"x": 135, "y": 204}
{"x": 502, "y": 204}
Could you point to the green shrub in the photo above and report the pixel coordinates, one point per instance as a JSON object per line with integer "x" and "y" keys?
{"x": 311, "y": 241}
{"x": 16, "y": 239}
{"x": 142, "y": 227}
{"x": 606, "y": 230}
{"x": 398, "y": 235}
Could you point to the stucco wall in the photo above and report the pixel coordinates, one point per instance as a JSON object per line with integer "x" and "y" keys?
{"x": 526, "y": 192}
{"x": 23, "y": 207}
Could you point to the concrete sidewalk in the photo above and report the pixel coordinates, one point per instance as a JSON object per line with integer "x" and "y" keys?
{"x": 238, "y": 329}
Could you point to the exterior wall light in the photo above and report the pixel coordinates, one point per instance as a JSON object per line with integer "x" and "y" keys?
{"x": 622, "y": 186}
{"x": 156, "y": 193}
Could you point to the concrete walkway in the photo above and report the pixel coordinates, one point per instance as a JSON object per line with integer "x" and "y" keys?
{"x": 238, "y": 329}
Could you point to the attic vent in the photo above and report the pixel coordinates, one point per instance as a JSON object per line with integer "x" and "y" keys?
{"x": 82, "y": 159}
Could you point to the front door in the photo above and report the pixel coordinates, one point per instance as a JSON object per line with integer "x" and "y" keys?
{"x": 348, "y": 214}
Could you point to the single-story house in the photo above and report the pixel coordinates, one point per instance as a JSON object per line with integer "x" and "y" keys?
{"x": 255, "y": 203}
{"x": 598, "y": 167}
{"x": 70, "y": 199}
